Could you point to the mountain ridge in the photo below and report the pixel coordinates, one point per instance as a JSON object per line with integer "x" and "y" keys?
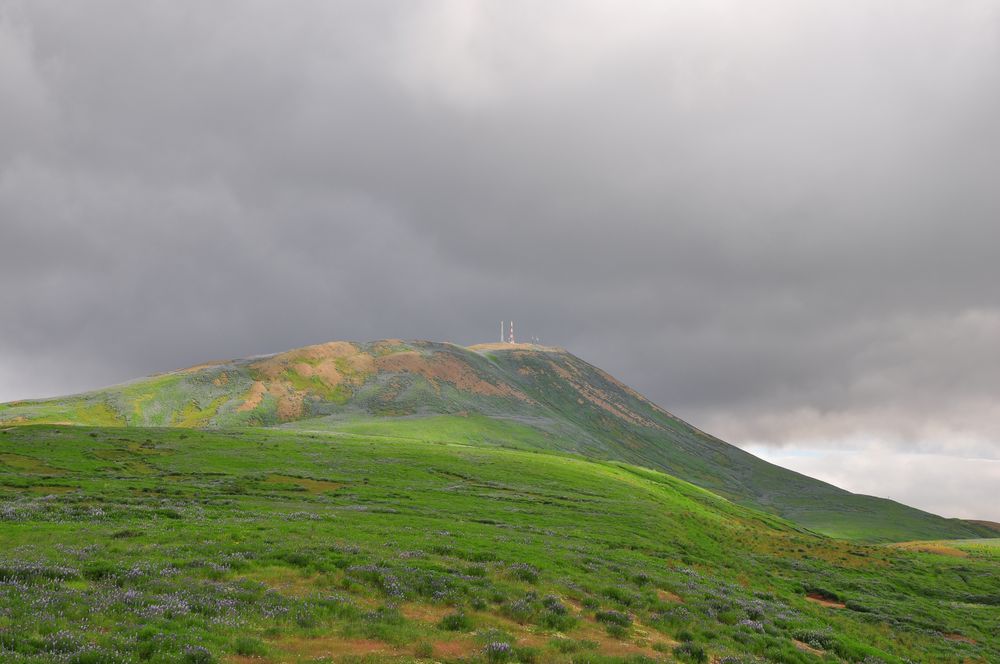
{"x": 520, "y": 395}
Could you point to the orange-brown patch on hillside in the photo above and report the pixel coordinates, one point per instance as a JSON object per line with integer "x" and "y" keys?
{"x": 289, "y": 400}
{"x": 667, "y": 596}
{"x": 221, "y": 380}
{"x": 331, "y": 365}
{"x": 599, "y": 397}
{"x": 805, "y": 647}
{"x": 425, "y": 613}
{"x": 14, "y": 421}
{"x": 453, "y": 649}
{"x": 442, "y": 367}
{"x": 253, "y": 397}
{"x": 937, "y": 548}
{"x": 329, "y": 646}
{"x": 823, "y": 600}
{"x": 321, "y": 358}
{"x": 246, "y": 659}
{"x": 961, "y": 638}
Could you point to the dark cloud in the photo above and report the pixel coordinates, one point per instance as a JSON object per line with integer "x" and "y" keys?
{"x": 776, "y": 219}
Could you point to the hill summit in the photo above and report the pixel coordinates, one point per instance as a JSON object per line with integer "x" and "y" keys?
{"x": 512, "y": 395}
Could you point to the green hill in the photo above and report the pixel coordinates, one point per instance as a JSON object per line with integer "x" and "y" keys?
{"x": 267, "y": 546}
{"x": 521, "y": 396}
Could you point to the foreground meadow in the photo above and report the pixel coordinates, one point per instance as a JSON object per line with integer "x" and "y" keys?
{"x": 172, "y": 545}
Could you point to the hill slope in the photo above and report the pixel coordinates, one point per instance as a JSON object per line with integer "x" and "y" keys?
{"x": 496, "y": 394}
{"x": 271, "y": 546}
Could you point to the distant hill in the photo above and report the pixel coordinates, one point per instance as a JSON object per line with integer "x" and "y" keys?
{"x": 522, "y": 396}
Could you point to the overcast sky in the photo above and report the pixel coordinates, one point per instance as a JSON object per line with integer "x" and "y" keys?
{"x": 778, "y": 219}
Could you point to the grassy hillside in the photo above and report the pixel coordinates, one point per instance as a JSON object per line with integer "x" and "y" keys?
{"x": 516, "y": 396}
{"x": 263, "y": 545}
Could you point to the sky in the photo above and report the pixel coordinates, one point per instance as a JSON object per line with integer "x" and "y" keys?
{"x": 779, "y": 220}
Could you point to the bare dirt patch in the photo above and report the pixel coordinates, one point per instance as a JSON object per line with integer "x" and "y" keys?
{"x": 961, "y": 638}
{"x": 823, "y": 600}
{"x": 253, "y": 398}
{"x": 452, "y": 649}
{"x": 668, "y": 596}
{"x": 805, "y": 647}
{"x": 330, "y": 646}
{"x": 425, "y": 613}
{"x": 326, "y": 371}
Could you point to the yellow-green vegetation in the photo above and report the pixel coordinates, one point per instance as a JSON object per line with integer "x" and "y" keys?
{"x": 977, "y": 547}
{"x": 70, "y": 411}
{"x": 28, "y": 464}
{"x": 264, "y": 545}
{"x": 193, "y": 415}
{"x": 316, "y": 386}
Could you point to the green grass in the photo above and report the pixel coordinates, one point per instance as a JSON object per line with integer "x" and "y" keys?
{"x": 467, "y": 430}
{"x": 173, "y": 545}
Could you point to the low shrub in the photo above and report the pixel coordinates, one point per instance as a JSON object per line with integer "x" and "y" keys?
{"x": 498, "y": 651}
{"x": 456, "y": 622}
{"x": 247, "y": 646}
{"x": 524, "y": 572}
{"x": 690, "y": 652}
{"x": 612, "y": 617}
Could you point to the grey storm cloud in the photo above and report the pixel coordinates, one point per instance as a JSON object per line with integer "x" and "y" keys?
{"x": 777, "y": 219}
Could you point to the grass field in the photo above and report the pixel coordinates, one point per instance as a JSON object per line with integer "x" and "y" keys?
{"x": 265, "y": 545}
